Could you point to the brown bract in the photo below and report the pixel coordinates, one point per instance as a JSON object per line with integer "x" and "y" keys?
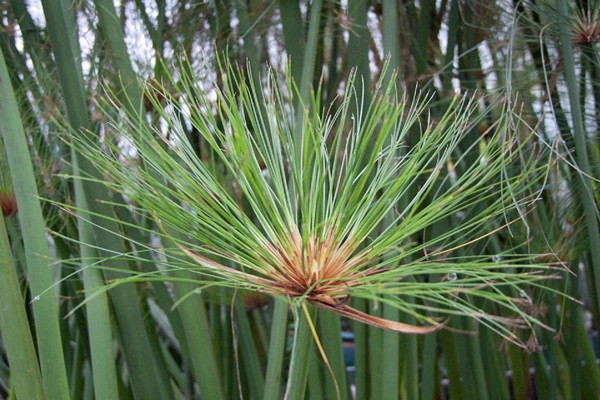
{"x": 8, "y": 204}
{"x": 585, "y": 30}
{"x": 320, "y": 271}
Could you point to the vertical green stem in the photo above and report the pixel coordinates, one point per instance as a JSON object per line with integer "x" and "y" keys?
{"x": 248, "y": 352}
{"x": 376, "y": 351}
{"x": 147, "y": 376}
{"x": 301, "y": 353}
{"x": 390, "y": 361}
{"x": 303, "y": 338}
{"x": 581, "y": 152}
{"x": 493, "y": 366}
{"x": 196, "y": 329}
{"x": 429, "y": 363}
{"x": 198, "y": 339}
{"x": 358, "y": 48}
{"x": 452, "y": 359}
{"x": 475, "y": 361}
{"x": 45, "y": 306}
{"x": 452, "y": 37}
{"x": 25, "y": 374}
{"x": 330, "y": 332}
{"x": 518, "y": 363}
{"x": 98, "y": 314}
{"x": 293, "y": 35}
{"x": 276, "y": 351}
{"x": 361, "y": 354}
{"x": 111, "y": 28}
{"x": 422, "y": 36}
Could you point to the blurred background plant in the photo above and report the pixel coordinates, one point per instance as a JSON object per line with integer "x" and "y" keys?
{"x": 157, "y": 339}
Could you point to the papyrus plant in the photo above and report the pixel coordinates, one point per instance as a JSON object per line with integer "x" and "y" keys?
{"x": 293, "y": 203}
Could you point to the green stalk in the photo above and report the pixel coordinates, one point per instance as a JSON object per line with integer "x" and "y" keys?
{"x": 310, "y": 55}
{"x": 25, "y": 374}
{"x": 451, "y": 355}
{"x": 518, "y": 362}
{"x": 581, "y": 151}
{"x": 97, "y": 312}
{"x": 358, "y": 57}
{"x": 583, "y": 367}
{"x": 301, "y": 354}
{"x": 469, "y": 63}
{"x": 247, "y": 351}
{"x": 293, "y": 35}
{"x": 316, "y": 390}
{"x": 409, "y": 363}
{"x": 422, "y": 36}
{"x": 547, "y": 365}
{"x": 76, "y": 383}
{"x": 330, "y": 330}
{"x": 591, "y": 373}
{"x": 358, "y": 48}
{"x": 250, "y": 48}
{"x": 452, "y": 37}
{"x": 111, "y": 28}
{"x": 257, "y": 317}
{"x": 221, "y": 29}
{"x": 147, "y": 377}
{"x": 475, "y": 364}
{"x": 198, "y": 340}
{"x": 493, "y": 366}
{"x": 303, "y": 340}
{"x": 391, "y": 42}
{"x": 45, "y": 307}
{"x": 376, "y": 351}
{"x": 390, "y": 360}
{"x": 334, "y": 31}
{"x": 276, "y": 351}
{"x": 542, "y": 379}
{"x": 429, "y": 363}
{"x": 468, "y": 381}
{"x": 194, "y": 319}
{"x": 361, "y": 354}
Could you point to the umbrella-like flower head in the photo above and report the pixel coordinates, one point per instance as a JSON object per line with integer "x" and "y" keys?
{"x": 379, "y": 202}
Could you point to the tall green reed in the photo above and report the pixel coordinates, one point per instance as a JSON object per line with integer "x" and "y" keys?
{"x": 31, "y": 220}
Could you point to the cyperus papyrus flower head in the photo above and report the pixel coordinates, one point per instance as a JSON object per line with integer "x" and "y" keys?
{"x": 327, "y": 205}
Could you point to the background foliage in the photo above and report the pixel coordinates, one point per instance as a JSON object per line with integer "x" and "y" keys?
{"x": 62, "y": 56}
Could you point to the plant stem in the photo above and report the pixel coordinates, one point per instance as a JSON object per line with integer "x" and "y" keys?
{"x": 113, "y": 32}
{"x": 248, "y": 351}
{"x": 148, "y": 377}
{"x": 276, "y": 351}
{"x": 301, "y": 353}
{"x": 579, "y": 132}
{"x": 198, "y": 340}
{"x": 25, "y": 374}
{"x": 98, "y": 314}
{"x": 429, "y": 363}
{"x": 45, "y": 306}
{"x": 390, "y": 361}
{"x": 330, "y": 330}
{"x": 293, "y": 35}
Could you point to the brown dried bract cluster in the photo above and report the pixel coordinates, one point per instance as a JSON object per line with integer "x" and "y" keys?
{"x": 8, "y": 203}
{"x": 320, "y": 271}
{"x": 585, "y": 30}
